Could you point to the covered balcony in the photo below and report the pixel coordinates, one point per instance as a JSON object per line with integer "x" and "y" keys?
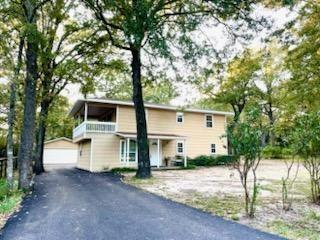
{"x": 95, "y": 118}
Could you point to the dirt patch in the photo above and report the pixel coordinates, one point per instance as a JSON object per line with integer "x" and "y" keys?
{"x": 218, "y": 190}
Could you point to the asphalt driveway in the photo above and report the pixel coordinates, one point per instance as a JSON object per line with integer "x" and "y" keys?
{"x": 72, "y": 204}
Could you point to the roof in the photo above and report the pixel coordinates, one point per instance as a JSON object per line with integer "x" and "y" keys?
{"x": 76, "y": 107}
{"x": 58, "y": 139}
{"x": 163, "y": 136}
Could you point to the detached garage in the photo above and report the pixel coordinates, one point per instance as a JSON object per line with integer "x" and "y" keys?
{"x": 60, "y": 151}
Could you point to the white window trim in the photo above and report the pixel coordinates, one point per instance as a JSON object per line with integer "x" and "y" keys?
{"x": 215, "y": 148}
{"x": 120, "y": 152}
{"x": 183, "y": 148}
{"x": 205, "y": 120}
{"x": 180, "y": 114}
{"x": 146, "y": 111}
{"x": 126, "y": 152}
{"x": 136, "y": 151}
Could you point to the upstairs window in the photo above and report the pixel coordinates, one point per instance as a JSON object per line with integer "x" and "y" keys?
{"x": 209, "y": 120}
{"x": 180, "y": 147}
{"x": 180, "y": 117}
{"x": 213, "y": 148}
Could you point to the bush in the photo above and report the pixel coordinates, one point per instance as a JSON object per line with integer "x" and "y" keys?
{"x": 211, "y": 160}
{"x": 224, "y": 159}
{"x": 123, "y": 170}
{"x": 275, "y": 152}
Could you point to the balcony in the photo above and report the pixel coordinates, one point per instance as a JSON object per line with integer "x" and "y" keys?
{"x": 94, "y": 127}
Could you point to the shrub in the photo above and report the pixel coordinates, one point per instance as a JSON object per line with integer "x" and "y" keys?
{"x": 270, "y": 152}
{"x": 123, "y": 170}
{"x": 287, "y": 152}
{"x": 211, "y": 160}
{"x": 225, "y": 159}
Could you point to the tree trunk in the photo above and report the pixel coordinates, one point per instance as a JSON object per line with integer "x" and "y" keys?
{"x": 271, "y": 123}
{"x": 38, "y": 166}
{"x": 144, "y": 170}
{"x": 27, "y": 133}
{"x": 11, "y": 116}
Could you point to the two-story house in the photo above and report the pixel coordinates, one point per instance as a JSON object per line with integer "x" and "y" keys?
{"x": 106, "y": 133}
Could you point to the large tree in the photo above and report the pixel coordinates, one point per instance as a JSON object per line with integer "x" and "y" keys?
{"x": 29, "y": 9}
{"x": 58, "y": 123}
{"x": 156, "y": 26}
{"x": 303, "y": 59}
{"x": 11, "y": 52}
{"x": 68, "y": 53}
{"x": 269, "y": 84}
{"x": 234, "y": 85}
{"x": 117, "y": 85}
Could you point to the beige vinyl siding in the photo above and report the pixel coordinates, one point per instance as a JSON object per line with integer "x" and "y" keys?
{"x": 127, "y": 119}
{"x": 84, "y": 159}
{"x": 168, "y": 148}
{"x": 63, "y": 144}
{"x": 198, "y": 137}
{"x": 105, "y": 151}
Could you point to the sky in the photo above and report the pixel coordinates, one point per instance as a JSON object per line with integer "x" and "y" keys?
{"x": 187, "y": 93}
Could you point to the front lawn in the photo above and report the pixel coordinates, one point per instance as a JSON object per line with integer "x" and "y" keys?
{"x": 9, "y": 202}
{"x": 218, "y": 190}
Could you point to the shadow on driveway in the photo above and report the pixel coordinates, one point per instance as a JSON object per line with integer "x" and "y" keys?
{"x": 72, "y": 204}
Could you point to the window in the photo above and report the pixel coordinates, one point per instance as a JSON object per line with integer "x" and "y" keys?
{"x": 132, "y": 150}
{"x": 209, "y": 120}
{"x": 128, "y": 153}
{"x": 213, "y": 148}
{"x": 180, "y": 117}
{"x": 180, "y": 147}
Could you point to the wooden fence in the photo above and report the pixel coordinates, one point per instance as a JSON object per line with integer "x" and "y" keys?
{"x": 3, "y": 166}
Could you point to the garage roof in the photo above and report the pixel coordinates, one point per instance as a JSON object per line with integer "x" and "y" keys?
{"x": 58, "y": 139}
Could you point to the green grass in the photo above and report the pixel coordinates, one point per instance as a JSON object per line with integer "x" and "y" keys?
{"x": 306, "y": 227}
{"x": 225, "y": 206}
{"x": 140, "y": 182}
{"x": 9, "y": 201}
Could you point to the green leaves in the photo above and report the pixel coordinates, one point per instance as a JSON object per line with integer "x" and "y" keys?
{"x": 246, "y": 136}
{"x": 306, "y": 135}
{"x": 303, "y": 59}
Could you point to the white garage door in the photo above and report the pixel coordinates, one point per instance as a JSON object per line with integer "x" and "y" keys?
{"x": 60, "y": 156}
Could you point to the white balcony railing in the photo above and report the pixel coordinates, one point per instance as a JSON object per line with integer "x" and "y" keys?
{"x": 94, "y": 127}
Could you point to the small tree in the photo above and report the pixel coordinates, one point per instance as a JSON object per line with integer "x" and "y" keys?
{"x": 292, "y": 167}
{"x": 307, "y": 142}
{"x": 245, "y": 138}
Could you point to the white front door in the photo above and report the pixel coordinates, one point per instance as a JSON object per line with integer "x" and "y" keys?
{"x": 153, "y": 151}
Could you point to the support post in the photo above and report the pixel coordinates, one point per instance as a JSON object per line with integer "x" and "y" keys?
{"x": 158, "y": 145}
{"x": 85, "y": 111}
{"x": 185, "y": 153}
{"x": 127, "y": 153}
